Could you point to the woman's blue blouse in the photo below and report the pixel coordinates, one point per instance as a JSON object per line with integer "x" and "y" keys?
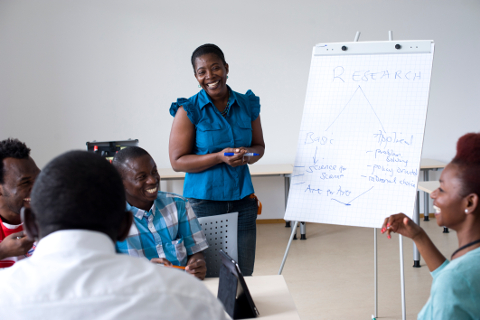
{"x": 213, "y": 133}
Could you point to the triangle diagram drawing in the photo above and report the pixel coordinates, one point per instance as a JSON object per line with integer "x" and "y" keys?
{"x": 357, "y": 109}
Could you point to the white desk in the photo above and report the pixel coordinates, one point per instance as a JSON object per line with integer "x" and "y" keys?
{"x": 427, "y": 187}
{"x": 270, "y": 294}
{"x": 426, "y": 165}
{"x": 431, "y": 164}
{"x": 256, "y": 170}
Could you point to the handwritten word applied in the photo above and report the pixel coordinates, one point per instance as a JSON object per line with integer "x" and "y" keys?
{"x": 384, "y": 139}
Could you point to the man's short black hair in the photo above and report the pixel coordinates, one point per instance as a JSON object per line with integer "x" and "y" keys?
{"x": 79, "y": 190}
{"x": 126, "y": 154}
{"x": 12, "y": 148}
{"x": 206, "y": 49}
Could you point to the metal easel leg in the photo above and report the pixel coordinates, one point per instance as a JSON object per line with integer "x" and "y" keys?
{"x": 402, "y": 278}
{"x": 375, "y": 272}
{"x": 294, "y": 229}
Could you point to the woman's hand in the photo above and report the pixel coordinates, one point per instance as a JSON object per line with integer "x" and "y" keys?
{"x": 401, "y": 224}
{"x": 237, "y": 159}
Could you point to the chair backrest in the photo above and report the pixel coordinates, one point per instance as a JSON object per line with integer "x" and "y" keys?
{"x": 221, "y": 233}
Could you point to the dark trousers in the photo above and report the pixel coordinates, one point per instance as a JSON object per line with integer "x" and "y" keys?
{"x": 247, "y": 227}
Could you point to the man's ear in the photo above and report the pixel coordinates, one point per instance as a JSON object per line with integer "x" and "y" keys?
{"x": 125, "y": 226}
{"x": 30, "y": 225}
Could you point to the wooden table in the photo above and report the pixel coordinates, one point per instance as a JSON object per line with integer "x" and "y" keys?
{"x": 269, "y": 293}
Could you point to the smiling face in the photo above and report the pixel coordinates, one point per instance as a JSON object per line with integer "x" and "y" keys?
{"x": 20, "y": 174}
{"x": 141, "y": 181}
{"x": 450, "y": 204}
{"x": 211, "y": 74}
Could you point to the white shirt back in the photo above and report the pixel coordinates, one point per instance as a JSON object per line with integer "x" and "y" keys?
{"x": 76, "y": 274}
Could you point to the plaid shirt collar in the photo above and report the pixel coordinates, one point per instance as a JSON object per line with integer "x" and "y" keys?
{"x": 139, "y": 213}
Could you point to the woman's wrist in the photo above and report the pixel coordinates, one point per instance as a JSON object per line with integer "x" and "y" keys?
{"x": 219, "y": 157}
{"x": 420, "y": 236}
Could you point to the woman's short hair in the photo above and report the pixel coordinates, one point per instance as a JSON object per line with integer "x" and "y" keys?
{"x": 467, "y": 160}
{"x": 206, "y": 49}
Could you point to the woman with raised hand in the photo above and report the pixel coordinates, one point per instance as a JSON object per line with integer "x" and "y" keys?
{"x": 214, "y": 135}
{"x": 455, "y": 292}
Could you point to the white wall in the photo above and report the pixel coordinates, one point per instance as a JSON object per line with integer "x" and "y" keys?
{"x": 77, "y": 71}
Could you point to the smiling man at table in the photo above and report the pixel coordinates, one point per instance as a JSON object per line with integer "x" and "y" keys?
{"x": 165, "y": 228}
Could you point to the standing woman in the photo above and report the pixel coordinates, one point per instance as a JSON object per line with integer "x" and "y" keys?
{"x": 455, "y": 292}
{"x": 215, "y": 121}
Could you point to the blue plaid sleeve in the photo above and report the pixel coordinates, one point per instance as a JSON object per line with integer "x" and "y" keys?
{"x": 132, "y": 245}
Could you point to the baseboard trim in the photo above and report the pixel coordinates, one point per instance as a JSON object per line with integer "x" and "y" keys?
{"x": 430, "y": 215}
{"x": 266, "y": 221}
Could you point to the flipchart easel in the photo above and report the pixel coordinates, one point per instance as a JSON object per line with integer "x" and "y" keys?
{"x": 376, "y": 120}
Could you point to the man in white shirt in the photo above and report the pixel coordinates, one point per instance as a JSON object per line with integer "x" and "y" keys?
{"x": 77, "y": 213}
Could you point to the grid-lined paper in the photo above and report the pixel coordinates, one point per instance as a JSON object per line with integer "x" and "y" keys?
{"x": 360, "y": 140}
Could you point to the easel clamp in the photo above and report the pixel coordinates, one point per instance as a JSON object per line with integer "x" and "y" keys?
{"x": 386, "y": 47}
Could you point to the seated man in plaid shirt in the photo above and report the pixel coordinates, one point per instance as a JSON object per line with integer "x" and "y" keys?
{"x": 165, "y": 228}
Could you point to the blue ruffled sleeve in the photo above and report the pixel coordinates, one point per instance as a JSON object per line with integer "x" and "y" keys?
{"x": 254, "y": 104}
{"x": 188, "y": 106}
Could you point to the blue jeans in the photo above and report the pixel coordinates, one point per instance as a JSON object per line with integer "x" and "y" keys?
{"x": 247, "y": 226}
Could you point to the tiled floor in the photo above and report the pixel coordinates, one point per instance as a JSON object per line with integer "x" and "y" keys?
{"x": 330, "y": 275}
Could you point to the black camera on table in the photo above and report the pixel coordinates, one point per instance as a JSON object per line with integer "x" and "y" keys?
{"x": 108, "y": 149}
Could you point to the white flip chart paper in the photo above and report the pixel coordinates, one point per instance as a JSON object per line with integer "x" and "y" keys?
{"x": 361, "y": 137}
